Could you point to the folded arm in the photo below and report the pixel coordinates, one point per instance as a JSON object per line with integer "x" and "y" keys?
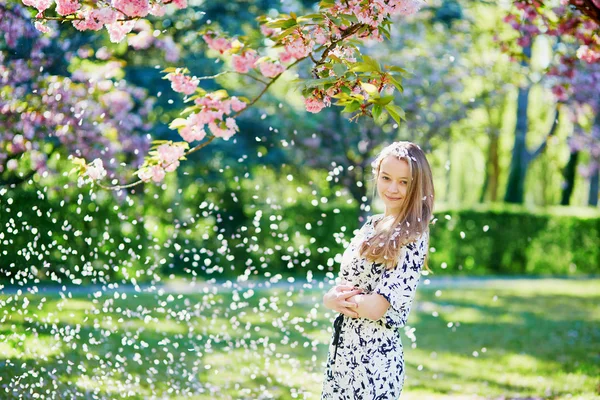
{"x": 372, "y": 306}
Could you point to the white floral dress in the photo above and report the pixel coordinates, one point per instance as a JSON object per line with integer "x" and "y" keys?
{"x": 368, "y": 361}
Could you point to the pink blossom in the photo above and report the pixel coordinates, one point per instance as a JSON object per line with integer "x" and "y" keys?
{"x": 158, "y": 174}
{"x": 104, "y": 15}
{"x": 218, "y": 44}
{"x": 67, "y": 7}
{"x": 285, "y": 57}
{"x": 524, "y": 41}
{"x": 227, "y": 133}
{"x": 181, "y": 4}
{"x": 193, "y": 131}
{"x": 560, "y": 93}
{"x": 172, "y": 167}
{"x": 270, "y": 70}
{"x": 588, "y": 55}
{"x": 94, "y": 19}
{"x": 297, "y": 48}
{"x": 157, "y": 10}
{"x": 206, "y": 116}
{"x": 142, "y": 40}
{"x": 95, "y": 170}
{"x": 40, "y": 5}
{"x": 266, "y": 30}
{"x": 132, "y": 8}
{"x": 42, "y": 27}
{"x": 236, "y": 104}
{"x": 245, "y": 62}
{"x": 182, "y": 83}
{"x": 145, "y": 174}
{"x": 319, "y": 35}
{"x": 313, "y": 105}
{"x": 118, "y": 30}
{"x": 168, "y": 153}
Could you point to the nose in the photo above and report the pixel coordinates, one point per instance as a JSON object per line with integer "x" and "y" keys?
{"x": 393, "y": 187}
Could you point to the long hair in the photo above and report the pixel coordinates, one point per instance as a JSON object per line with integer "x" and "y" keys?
{"x": 394, "y": 232}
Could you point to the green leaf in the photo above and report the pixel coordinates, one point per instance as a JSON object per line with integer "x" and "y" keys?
{"x": 397, "y": 84}
{"x": 351, "y": 107}
{"x": 373, "y": 63}
{"x": 326, "y": 3}
{"x": 369, "y": 88}
{"x": 396, "y": 112}
{"x": 362, "y": 67}
{"x": 350, "y": 17}
{"x": 385, "y": 100}
{"x": 189, "y": 109}
{"x": 340, "y": 69}
{"x": 396, "y": 69}
{"x": 178, "y": 123}
{"x": 377, "y": 109}
{"x": 312, "y": 83}
{"x": 283, "y": 23}
{"x": 309, "y": 17}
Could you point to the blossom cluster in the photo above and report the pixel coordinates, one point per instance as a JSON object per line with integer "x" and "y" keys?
{"x": 580, "y": 42}
{"x": 118, "y": 16}
{"x": 167, "y": 160}
{"x": 92, "y": 116}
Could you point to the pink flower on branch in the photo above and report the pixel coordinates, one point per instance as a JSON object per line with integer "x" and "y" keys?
{"x": 313, "y": 105}
{"x": 67, "y": 7}
{"x": 224, "y": 133}
{"x": 95, "y": 170}
{"x": 169, "y": 153}
{"x": 40, "y": 5}
{"x": 588, "y": 55}
{"x": 118, "y": 30}
{"x": 270, "y": 70}
{"x": 182, "y": 83}
{"x": 297, "y": 48}
{"x": 245, "y": 62}
{"x": 236, "y": 104}
{"x": 216, "y": 43}
{"x": 132, "y": 8}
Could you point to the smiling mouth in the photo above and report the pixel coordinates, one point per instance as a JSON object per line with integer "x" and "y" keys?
{"x": 393, "y": 198}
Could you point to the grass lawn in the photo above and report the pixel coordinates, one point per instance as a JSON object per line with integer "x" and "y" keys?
{"x": 490, "y": 339}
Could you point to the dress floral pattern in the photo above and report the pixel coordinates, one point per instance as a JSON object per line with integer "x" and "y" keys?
{"x": 369, "y": 361}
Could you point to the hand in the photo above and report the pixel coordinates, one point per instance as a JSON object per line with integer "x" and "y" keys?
{"x": 337, "y": 299}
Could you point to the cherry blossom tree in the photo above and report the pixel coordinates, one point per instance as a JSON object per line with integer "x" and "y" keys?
{"x": 573, "y": 29}
{"x": 328, "y": 38}
{"x": 90, "y": 114}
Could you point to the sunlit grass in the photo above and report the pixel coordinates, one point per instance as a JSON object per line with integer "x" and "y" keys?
{"x": 529, "y": 338}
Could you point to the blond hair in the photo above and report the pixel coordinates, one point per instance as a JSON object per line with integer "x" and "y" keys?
{"x": 394, "y": 232}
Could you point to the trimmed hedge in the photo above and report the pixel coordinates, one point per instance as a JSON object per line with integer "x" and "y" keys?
{"x": 513, "y": 240}
{"x": 50, "y": 234}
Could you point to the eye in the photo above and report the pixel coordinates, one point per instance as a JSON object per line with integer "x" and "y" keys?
{"x": 385, "y": 177}
{"x": 404, "y": 182}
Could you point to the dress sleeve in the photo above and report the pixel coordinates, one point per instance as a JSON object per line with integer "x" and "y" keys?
{"x": 399, "y": 284}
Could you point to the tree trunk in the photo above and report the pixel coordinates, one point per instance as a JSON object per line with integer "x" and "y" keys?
{"x": 448, "y": 168}
{"x": 492, "y": 170}
{"x": 518, "y": 163}
{"x": 594, "y": 186}
{"x": 569, "y": 182}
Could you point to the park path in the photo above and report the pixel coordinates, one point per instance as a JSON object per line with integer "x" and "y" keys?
{"x": 224, "y": 286}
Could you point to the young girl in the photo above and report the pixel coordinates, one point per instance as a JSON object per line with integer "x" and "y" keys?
{"x": 379, "y": 274}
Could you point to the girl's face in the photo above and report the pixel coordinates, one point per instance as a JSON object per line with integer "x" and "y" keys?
{"x": 392, "y": 183}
